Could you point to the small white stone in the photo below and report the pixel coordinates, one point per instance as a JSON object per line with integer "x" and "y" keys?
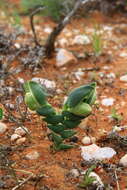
{"x": 20, "y": 131}
{"x": 32, "y": 155}
{"x": 64, "y": 57}
{"x": 21, "y": 80}
{"x": 123, "y": 160}
{"x": 78, "y": 74}
{"x": 123, "y": 54}
{"x": 108, "y": 101}
{"x": 123, "y": 78}
{"x": 63, "y": 42}
{"x": 10, "y": 90}
{"x": 21, "y": 141}
{"x": 3, "y": 127}
{"x": 45, "y": 82}
{"x": 48, "y": 30}
{"x": 86, "y": 140}
{"x": 17, "y": 45}
{"x": 111, "y": 75}
{"x": 81, "y": 40}
{"x": 97, "y": 153}
{"x": 14, "y": 137}
{"x": 74, "y": 173}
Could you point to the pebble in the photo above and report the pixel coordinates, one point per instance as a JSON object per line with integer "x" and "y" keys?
{"x": 3, "y": 127}
{"x": 48, "y": 30}
{"x": 20, "y": 131}
{"x": 108, "y": 101}
{"x": 97, "y": 181}
{"x": 21, "y": 141}
{"x": 64, "y": 57}
{"x": 49, "y": 84}
{"x": 123, "y": 78}
{"x": 32, "y": 155}
{"x": 123, "y": 160}
{"x": 81, "y": 40}
{"x": 63, "y": 42}
{"x": 14, "y": 137}
{"x": 97, "y": 153}
{"x": 88, "y": 140}
{"x": 123, "y": 54}
{"x": 78, "y": 74}
{"x": 21, "y": 80}
{"x": 74, "y": 173}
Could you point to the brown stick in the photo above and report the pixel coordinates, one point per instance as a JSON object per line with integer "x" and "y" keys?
{"x": 32, "y": 23}
{"x": 49, "y": 46}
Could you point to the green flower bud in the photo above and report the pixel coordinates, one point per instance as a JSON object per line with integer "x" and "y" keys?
{"x": 82, "y": 109}
{"x": 80, "y": 99}
{"x": 35, "y": 96}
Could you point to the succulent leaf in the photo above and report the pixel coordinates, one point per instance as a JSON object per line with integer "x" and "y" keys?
{"x": 57, "y": 139}
{"x": 67, "y": 134}
{"x": 63, "y": 146}
{"x": 35, "y": 96}
{"x": 55, "y": 119}
{"x": 80, "y": 94}
{"x": 57, "y": 129}
{"x": 81, "y": 109}
{"x": 46, "y": 110}
{"x": 71, "y": 124}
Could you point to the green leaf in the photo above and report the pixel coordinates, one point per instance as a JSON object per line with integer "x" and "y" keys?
{"x": 79, "y": 94}
{"x": 70, "y": 116}
{"x": 57, "y": 128}
{"x": 57, "y": 139}
{"x": 46, "y": 110}
{"x": 1, "y": 113}
{"x": 63, "y": 146}
{"x": 35, "y": 96}
{"x": 55, "y": 119}
{"x": 71, "y": 124}
{"x": 67, "y": 134}
{"x": 82, "y": 109}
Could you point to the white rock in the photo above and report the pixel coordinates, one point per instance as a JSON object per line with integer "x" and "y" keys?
{"x": 123, "y": 160}
{"x": 14, "y": 137}
{"x": 3, "y": 127}
{"x": 21, "y": 80}
{"x": 17, "y": 45}
{"x": 78, "y": 74}
{"x": 74, "y": 173}
{"x": 21, "y": 141}
{"x": 32, "y": 155}
{"x": 45, "y": 82}
{"x": 97, "y": 181}
{"x": 108, "y": 101}
{"x": 81, "y": 40}
{"x": 123, "y": 54}
{"x": 48, "y": 30}
{"x": 86, "y": 140}
{"x": 63, "y": 42}
{"x": 10, "y": 90}
{"x": 20, "y": 131}
{"x": 111, "y": 75}
{"x": 64, "y": 57}
{"x": 97, "y": 153}
{"x": 123, "y": 78}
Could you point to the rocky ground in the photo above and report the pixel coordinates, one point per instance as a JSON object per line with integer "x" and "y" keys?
{"x": 26, "y": 160}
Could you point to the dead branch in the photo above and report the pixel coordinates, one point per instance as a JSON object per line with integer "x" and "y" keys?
{"x": 49, "y": 46}
{"x": 34, "y": 12}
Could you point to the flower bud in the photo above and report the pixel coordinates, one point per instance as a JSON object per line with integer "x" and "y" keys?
{"x": 35, "y": 96}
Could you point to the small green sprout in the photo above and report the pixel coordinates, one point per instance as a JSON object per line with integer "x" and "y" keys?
{"x": 76, "y": 108}
{"x": 114, "y": 115}
{"x": 1, "y": 114}
{"x": 87, "y": 179}
{"x": 97, "y": 43}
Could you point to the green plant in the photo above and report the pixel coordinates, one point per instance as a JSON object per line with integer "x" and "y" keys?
{"x": 76, "y": 108}
{"x": 115, "y": 115}
{"x": 87, "y": 179}
{"x": 97, "y": 42}
{"x": 1, "y": 113}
